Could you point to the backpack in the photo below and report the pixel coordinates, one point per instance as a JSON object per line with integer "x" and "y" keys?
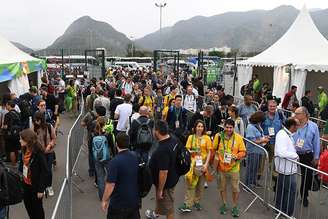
{"x": 25, "y": 108}
{"x": 11, "y": 186}
{"x": 144, "y": 134}
{"x": 145, "y": 180}
{"x": 14, "y": 128}
{"x": 100, "y": 148}
{"x": 183, "y": 159}
{"x": 49, "y": 115}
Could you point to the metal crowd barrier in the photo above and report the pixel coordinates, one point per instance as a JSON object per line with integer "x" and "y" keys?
{"x": 63, "y": 207}
{"x": 259, "y": 178}
{"x": 285, "y": 191}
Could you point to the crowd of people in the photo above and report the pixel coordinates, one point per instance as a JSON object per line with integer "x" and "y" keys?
{"x": 29, "y": 125}
{"x": 148, "y": 114}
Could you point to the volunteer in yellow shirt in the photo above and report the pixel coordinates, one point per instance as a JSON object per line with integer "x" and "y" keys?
{"x": 171, "y": 96}
{"x": 147, "y": 100}
{"x": 229, "y": 148}
{"x": 166, "y": 110}
{"x": 200, "y": 146}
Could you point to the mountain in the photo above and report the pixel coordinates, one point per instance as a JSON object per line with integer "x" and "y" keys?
{"x": 86, "y": 33}
{"x": 251, "y": 31}
{"x": 23, "y": 48}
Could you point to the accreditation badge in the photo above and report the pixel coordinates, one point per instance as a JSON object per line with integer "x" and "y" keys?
{"x": 227, "y": 158}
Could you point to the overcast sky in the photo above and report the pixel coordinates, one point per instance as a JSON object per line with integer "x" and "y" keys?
{"x": 37, "y": 23}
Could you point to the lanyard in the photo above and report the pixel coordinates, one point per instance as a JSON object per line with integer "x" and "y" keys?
{"x": 223, "y": 142}
{"x": 289, "y": 135}
{"x": 258, "y": 127}
{"x": 194, "y": 139}
{"x": 190, "y": 97}
{"x": 306, "y": 131}
{"x": 177, "y": 113}
{"x": 209, "y": 125}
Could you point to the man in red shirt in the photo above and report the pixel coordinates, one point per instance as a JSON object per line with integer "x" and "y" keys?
{"x": 290, "y": 98}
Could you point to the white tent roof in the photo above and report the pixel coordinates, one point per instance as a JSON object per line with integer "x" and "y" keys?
{"x": 11, "y": 54}
{"x": 302, "y": 45}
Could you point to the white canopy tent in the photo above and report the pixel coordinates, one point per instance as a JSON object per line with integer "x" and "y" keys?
{"x": 15, "y": 65}
{"x": 301, "y": 49}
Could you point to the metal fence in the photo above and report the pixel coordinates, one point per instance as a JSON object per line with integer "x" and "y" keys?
{"x": 259, "y": 178}
{"x": 286, "y": 192}
{"x": 63, "y": 207}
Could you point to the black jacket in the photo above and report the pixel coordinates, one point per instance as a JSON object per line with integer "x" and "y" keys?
{"x": 172, "y": 118}
{"x": 308, "y": 104}
{"x": 210, "y": 123}
{"x": 39, "y": 171}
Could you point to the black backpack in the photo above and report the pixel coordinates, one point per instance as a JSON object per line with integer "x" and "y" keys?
{"x": 183, "y": 159}
{"x": 145, "y": 180}
{"x": 144, "y": 135}
{"x": 26, "y": 108}
{"x": 15, "y": 127}
{"x": 11, "y": 186}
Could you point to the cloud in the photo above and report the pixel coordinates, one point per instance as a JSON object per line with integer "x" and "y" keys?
{"x": 37, "y": 23}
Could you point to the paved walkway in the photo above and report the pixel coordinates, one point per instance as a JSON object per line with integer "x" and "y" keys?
{"x": 87, "y": 205}
{"x": 18, "y": 211}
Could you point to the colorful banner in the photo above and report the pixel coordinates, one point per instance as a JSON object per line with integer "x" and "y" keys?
{"x": 15, "y": 70}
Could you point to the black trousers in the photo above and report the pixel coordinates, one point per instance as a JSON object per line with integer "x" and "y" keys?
{"x": 307, "y": 174}
{"x": 123, "y": 213}
{"x": 33, "y": 205}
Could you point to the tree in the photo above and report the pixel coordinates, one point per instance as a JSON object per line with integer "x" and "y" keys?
{"x": 216, "y": 53}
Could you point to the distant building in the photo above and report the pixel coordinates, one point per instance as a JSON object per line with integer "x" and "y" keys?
{"x": 192, "y": 51}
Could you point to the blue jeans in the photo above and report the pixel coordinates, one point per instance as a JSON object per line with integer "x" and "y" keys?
{"x": 101, "y": 172}
{"x": 286, "y": 193}
{"x": 49, "y": 159}
{"x": 253, "y": 162}
{"x": 3, "y": 212}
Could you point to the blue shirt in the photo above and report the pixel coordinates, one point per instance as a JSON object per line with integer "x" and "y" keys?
{"x": 275, "y": 123}
{"x": 245, "y": 112}
{"x": 310, "y": 134}
{"x": 123, "y": 171}
{"x": 253, "y": 133}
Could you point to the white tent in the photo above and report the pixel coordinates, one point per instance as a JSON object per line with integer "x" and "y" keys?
{"x": 11, "y": 54}
{"x": 15, "y": 65}
{"x": 302, "y": 49}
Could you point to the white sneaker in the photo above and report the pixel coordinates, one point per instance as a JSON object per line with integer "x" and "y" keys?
{"x": 50, "y": 191}
{"x": 205, "y": 185}
{"x": 150, "y": 214}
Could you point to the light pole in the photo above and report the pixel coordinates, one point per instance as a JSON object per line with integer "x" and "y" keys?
{"x": 160, "y": 6}
{"x": 132, "y": 46}
{"x": 90, "y": 38}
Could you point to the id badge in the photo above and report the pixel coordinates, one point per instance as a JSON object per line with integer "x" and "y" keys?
{"x": 177, "y": 124}
{"x": 227, "y": 158}
{"x": 199, "y": 161}
{"x": 300, "y": 143}
{"x": 271, "y": 131}
{"x": 158, "y": 109}
{"x": 25, "y": 171}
